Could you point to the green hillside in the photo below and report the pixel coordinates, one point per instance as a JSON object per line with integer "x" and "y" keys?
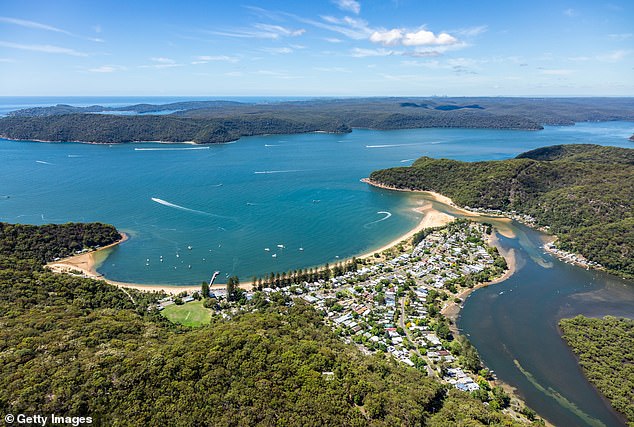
{"x": 583, "y": 192}
{"x": 605, "y": 352}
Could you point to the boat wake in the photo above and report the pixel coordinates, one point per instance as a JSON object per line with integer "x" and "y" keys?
{"x": 271, "y": 145}
{"x": 183, "y": 208}
{"x": 395, "y": 145}
{"x": 407, "y": 160}
{"x": 171, "y": 149}
{"x": 43, "y": 162}
{"x": 387, "y": 215}
{"x": 281, "y": 171}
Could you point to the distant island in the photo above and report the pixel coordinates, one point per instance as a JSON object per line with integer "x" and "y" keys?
{"x": 583, "y": 193}
{"x": 223, "y": 121}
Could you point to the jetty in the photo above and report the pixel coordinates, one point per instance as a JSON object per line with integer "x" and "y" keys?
{"x": 216, "y": 273}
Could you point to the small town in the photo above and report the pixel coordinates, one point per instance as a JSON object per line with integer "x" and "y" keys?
{"x": 392, "y": 302}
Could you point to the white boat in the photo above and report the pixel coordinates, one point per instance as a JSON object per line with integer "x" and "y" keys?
{"x": 301, "y": 249}
{"x": 274, "y": 256}
{"x": 189, "y": 247}
{"x": 267, "y": 249}
{"x": 280, "y": 246}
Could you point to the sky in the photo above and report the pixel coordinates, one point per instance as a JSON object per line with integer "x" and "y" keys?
{"x": 317, "y": 48}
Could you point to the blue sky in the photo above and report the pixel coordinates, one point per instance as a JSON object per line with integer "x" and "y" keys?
{"x": 317, "y": 48}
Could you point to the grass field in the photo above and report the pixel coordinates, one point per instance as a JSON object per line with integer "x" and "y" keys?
{"x": 190, "y": 314}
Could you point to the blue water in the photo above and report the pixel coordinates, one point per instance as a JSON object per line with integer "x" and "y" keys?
{"x": 229, "y": 202}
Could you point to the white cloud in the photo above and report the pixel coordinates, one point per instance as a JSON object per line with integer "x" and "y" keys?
{"x": 106, "y": 69}
{"x": 570, "y": 12}
{"x": 348, "y": 5}
{"x": 387, "y": 37}
{"x": 161, "y": 62}
{"x": 421, "y": 37}
{"x": 203, "y": 59}
{"x": 356, "y": 29}
{"x": 279, "y": 30}
{"x": 33, "y": 25}
{"x": 7, "y": 60}
{"x": 278, "y": 50}
{"x": 46, "y": 48}
{"x": 427, "y": 38}
{"x": 620, "y": 37}
{"x": 261, "y": 31}
{"x": 471, "y": 31}
{"x": 363, "y": 53}
{"x": 614, "y": 56}
{"x": 39, "y": 26}
{"x": 333, "y": 40}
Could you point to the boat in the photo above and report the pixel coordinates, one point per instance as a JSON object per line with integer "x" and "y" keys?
{"x": 301, "y": 249}
{"x": 274, "y": 256}
{"x": 280, "y": 246}
{"x": 267, "y": 249}
{"x": 189, "y": 247}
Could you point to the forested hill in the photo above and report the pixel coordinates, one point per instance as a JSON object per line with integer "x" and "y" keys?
{"x": 223, "y": 121}
{"x": 583, "y": 192}
{"x": 82, "y": 348}
{"x": 606, "y": 354}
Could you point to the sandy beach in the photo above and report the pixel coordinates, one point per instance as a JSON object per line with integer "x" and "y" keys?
{"x": 431, "y": 218}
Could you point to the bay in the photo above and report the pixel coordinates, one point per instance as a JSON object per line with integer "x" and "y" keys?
{"x": 229, "y": 202}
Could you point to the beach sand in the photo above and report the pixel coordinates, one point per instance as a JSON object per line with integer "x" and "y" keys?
{"x": 431, "y": 218}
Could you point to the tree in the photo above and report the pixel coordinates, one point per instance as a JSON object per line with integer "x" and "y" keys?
{"x": 232, "y": 285}
{"x": 204, "y": 289}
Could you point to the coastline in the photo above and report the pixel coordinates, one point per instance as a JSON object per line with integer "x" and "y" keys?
{"x": 86, "y": 263}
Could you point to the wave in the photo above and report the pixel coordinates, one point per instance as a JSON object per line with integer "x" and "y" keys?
{"x": 272, "y": 145}
{"x": 171, "y": 149}
{"x": 387, "y": 215}
{"x": 281, "y": 171}
{"x": 44, "y": 163}
{"x": 172, "y": 205}
{"x": 407, "y": 160}
{"x": 74, "y": 156}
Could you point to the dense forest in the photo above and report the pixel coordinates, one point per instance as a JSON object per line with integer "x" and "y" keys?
{"x": 584, "y": 193}
{"x": 46, "y": 242}
{"x": 80, "y": 347}
{"x": 605, "y": 352}
{"x": 223, "y": 121}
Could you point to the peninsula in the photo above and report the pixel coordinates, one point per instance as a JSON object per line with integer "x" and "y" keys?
{"x": 581, "y": 193}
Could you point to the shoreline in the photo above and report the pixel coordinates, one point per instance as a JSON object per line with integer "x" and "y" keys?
{"x": 86, "y": 263}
